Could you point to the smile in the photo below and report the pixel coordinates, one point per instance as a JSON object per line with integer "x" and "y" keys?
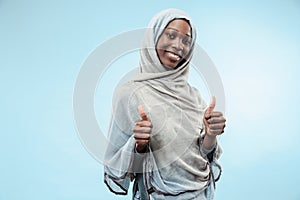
{"x": 173, "y": 56}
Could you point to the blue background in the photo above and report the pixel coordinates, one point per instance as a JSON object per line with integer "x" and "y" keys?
{"x": 255, "y": 46}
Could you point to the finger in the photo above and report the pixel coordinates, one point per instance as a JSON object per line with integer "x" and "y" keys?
{"x": 140, "y": 139}
{"x": 213, "y": 114}
{"x": 141, "y": 136}
{"x": 216, "y": 114}
{"x": 138, "y": 129}
{"x": 141, "y": 143}
{"x": 144, "y": 124}
{"x": 217, "y": 126}
{"x": 216, "y": 120}
{"x": 142, "y": 113}
{"x": 216, "y": 132}
{"x": 211, "y": 106}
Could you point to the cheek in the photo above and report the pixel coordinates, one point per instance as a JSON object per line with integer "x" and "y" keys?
{"x": 160, "y": 47}
{"x": 186, "y": 50}
{"x": 162, "y": 43}
{"x": 160, "y": 53}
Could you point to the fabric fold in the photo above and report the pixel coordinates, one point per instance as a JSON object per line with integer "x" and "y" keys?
{"x": 175, "y": 165}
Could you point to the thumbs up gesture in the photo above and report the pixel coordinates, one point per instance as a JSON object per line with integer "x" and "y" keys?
{"x": 214, "y": 121}
{"x": 142, "y": 131}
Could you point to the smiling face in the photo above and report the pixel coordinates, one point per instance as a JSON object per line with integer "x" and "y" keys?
{"x": 174, "y": 43}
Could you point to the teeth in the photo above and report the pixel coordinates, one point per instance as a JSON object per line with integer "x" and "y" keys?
{"x": 174, "y": 56}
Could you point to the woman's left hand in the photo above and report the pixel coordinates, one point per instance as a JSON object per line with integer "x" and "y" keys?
{"x": 214, "y": 121}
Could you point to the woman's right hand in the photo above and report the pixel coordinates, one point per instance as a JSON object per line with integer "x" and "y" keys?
{"x": 142, "y": 131}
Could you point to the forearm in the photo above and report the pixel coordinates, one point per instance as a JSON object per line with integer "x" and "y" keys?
{"x": 209, "y": 141}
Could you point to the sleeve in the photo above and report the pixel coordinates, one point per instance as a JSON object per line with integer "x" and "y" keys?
{"x": 214, "y": 153}
{"x": 119, "y": 153}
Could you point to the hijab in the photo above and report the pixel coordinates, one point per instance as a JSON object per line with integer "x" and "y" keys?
{"x": 174, "y": 163}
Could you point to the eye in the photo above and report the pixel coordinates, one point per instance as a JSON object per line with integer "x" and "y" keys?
{"x": 186, "y": 41}
{"x": 171, "y": 35}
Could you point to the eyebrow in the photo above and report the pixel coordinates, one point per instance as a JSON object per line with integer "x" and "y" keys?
{"x": 179, "y": 31}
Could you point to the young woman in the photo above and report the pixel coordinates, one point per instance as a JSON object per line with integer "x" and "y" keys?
{"x": 162, "y": 134}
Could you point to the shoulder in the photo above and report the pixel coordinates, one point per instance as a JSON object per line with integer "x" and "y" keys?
{"x": 126, "y": 92}
{"x": 199, "y": 99}
{"x": 126, "y": 99}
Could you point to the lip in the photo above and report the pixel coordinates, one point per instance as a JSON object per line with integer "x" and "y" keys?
{"x": 173, "y": 56}
{"x": 176, "y": 54}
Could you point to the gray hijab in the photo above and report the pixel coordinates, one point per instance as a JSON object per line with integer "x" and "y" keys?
{"x": 150, "y": 66}
{"x": 174, "y": 163}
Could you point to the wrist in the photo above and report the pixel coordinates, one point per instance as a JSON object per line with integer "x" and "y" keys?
{"x": 209, "y": 135}
{"x": 209, "y": 141}
{"x": 140, "y": 148}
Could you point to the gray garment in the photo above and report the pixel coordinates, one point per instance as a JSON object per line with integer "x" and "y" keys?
{"x": 139, "y": 192}
{"x": 180, "y": 174}
{"x": 176, "y": 163}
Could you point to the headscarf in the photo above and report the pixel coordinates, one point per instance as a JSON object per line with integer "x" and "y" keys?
{"x": 150, "y": 66}
{"x": 174, "y": 163}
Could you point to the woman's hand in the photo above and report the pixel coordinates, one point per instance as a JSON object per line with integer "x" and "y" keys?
{"x": 214, "y": 124}
{"x": 142, "y": 131}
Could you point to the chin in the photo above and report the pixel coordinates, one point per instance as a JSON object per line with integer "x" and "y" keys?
{"x": 172, "y": 66}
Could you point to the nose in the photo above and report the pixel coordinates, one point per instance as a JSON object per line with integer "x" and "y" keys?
{"x": 177, "y": 44}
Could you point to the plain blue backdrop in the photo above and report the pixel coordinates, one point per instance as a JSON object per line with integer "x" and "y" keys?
{"x": 256, "y": 49}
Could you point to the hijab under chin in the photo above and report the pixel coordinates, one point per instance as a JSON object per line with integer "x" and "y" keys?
{"x": 150, "y": 65}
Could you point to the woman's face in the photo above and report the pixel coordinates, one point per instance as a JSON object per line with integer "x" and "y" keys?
{"x": 174, "y": 43}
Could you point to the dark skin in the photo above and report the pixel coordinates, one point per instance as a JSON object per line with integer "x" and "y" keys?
{"x": 214, "y": 122}
{"x": 142, "y": 131}
{"x": 173, "y": 45}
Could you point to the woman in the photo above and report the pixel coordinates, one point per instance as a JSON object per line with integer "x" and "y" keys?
{"x": 162, "y": 134}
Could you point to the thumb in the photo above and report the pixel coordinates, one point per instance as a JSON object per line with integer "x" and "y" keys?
{"x": 142, "y": 113}
{"x": 211, "y": 106}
